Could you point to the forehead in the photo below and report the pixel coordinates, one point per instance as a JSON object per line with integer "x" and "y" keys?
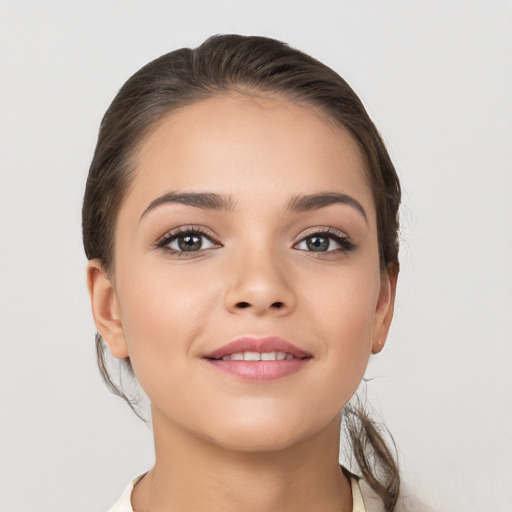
{"x": 248, "y": 146}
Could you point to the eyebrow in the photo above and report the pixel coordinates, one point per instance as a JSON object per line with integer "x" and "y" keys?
{"x": 208, "y": 201}
{"x": 211, "y": 201}
{"x": 323, "y": 199}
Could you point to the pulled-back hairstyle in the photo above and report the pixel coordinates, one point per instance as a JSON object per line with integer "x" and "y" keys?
{"x": 223, "y": 64}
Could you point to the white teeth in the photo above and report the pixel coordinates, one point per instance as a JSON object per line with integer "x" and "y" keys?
{"x": 257, "y": 356}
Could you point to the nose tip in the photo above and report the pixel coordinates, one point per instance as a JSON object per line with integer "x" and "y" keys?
{"x": 260, "y": 288}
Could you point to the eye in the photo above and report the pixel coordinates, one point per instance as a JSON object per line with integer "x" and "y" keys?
{"x": 325, "y": 241}
{"x": 186, "y": 241}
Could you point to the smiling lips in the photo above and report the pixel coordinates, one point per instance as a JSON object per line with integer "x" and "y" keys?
{"x": 259, "y": 359}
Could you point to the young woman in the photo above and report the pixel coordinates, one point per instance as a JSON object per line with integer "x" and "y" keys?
{"x": 240, "y": 220}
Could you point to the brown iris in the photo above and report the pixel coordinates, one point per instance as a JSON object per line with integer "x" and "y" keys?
{"x": 189, "y": 242}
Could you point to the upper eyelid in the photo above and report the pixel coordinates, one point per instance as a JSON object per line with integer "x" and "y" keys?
{"x": 322, "y": 231}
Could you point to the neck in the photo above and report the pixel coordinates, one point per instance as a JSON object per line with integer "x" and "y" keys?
{"x": 191, "y": 473}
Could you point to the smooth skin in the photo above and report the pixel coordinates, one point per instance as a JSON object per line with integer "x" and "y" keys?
{"x": 257, "y": 267}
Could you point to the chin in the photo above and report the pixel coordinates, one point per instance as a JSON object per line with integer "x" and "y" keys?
{"x": 257, "y": 442}
{"x": 251, "y": 434}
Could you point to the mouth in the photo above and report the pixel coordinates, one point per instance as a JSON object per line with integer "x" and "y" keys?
{"x": 259, "y": 356}
{"x": 259, "y": 359}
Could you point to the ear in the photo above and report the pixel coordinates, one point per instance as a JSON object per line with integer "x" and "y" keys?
{"x": 105, "y": 309}
{"x": 385, "y": 307}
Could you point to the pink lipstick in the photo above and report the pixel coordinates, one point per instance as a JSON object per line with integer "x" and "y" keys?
{"x": 259, "y": 359}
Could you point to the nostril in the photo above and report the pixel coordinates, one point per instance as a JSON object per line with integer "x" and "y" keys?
{"x": 274, "y": 305}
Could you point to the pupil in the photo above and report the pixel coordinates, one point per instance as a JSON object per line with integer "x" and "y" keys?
{"x": 189, "y": 243}
{"x": 318, "y": 243}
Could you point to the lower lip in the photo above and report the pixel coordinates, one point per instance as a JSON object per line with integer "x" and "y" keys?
{"x": 260, "y": 371}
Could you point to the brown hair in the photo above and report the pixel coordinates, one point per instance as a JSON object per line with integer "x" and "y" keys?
{"x": 248, "y": 64}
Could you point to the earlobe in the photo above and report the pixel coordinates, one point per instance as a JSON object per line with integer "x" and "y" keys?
{"x": 385, "y": 307}
{"x": 105, "y": 309}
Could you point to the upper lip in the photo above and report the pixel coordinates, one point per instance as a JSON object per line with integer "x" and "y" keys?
{"x": 257, "y": 344}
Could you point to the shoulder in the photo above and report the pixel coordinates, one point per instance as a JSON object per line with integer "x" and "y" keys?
{"x": 407, "y": 502}
{"x": 124, "y": 504}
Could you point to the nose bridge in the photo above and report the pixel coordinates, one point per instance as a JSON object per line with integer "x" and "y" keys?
{"x": 260, "y": 282}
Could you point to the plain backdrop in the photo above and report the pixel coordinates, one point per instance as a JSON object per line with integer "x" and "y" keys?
{"x": 437, "y": 79}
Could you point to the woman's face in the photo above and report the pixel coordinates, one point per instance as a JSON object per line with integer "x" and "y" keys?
{"x": 249, "y": 228}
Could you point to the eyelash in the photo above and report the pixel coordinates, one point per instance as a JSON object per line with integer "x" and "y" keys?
{"x": 346, "y": 245}
{"x": 171, "y": 236}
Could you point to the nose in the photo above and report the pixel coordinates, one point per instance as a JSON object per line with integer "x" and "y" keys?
{"x": 259, "y": 285}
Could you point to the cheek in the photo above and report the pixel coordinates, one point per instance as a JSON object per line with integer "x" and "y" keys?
{"x": 343, "y": 302}
{"x": 162, "y": 313}
{"x": 343, "y": 312}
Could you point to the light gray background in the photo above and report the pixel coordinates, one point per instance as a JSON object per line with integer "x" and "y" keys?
{"x": 437, "y": 79}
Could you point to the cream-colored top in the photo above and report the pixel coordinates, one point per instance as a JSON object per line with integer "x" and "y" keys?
{"x": 124, "y": 502}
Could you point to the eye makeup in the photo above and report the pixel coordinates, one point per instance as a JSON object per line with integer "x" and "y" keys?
{"x": 190, "y": 239}
{"x": 185, "y": 240}
{"x": 324, "y": 240}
